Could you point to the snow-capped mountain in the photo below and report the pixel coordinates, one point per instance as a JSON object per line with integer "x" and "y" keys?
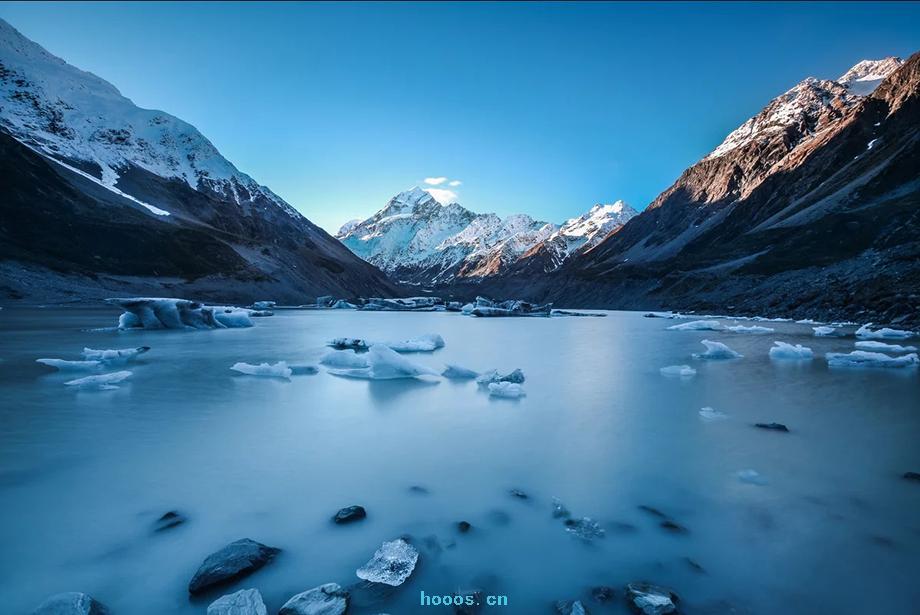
{"x": 416, "y": 239}
{"x": 865, "y": 76}
{"x": 82, "y": 136}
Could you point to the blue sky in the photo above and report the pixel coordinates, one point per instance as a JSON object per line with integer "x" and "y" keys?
{"x": 539, "y": 108}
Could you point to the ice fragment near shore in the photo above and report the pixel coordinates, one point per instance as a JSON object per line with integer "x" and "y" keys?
{"x": 103, "y": 382}
{"x": 391, "y": 564}
{"x": 862, "y": 358}
{"x": 752, "y": 330}
{"x": 492, "y": 376}
{"x": 680, "y": 371}
{"x": 698, "y": 325}
{"x": 122, "y": 355}
{"x": 784, "y": 351}
{"x": 383, "y": 363}
{"x": 73, "y": 366}
{"x": 717, "y": 351}
{"x": 824, "y": 331}
{"x": 265, "y": 370}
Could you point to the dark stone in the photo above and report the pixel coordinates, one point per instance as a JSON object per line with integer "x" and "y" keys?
{"x": 418, "y": 489}
{"x": 463, "y": 527}
{"x": 570, "y": 607}
{"x": 912, "y": 476}
{"x": 773, "y": 426}
{"x": 652, "y": 511}
{"x": 350, "y": 514}
{"x": 234, "y": 561}
{"x": 673, "y": 526}
{"x": 71, "y": 603}
{"x": 168, "y": 520}
{"x": 519, "y": 494}
{"x": 649, "y": 599}
{"x": 603, "y": 593}
{"x": 694, "y": 565}
{"x": 367, "y": 594}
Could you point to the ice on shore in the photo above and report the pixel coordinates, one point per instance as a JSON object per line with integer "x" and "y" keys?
{"x": 698, "y": 325}
{"x": 883, "y": 334}
{"x": 166, "y": 313}
{"x": 824, "y": 331}
{"x": 716, "y": 351}
{"x": 121, "y": 355}
{"x": 455, "y": 372}
{"x": 265, "y": 370}
{"x": 711, "y": 415}
{"x": 680, "y": 371}
{"x": 424, "y": 343}
{"x": 492, "y": 376}
{"x": 883, "y": 347}
{"x": 391, "y": 564}
{"x": 71, "y": 366}
{"x": 102, "y": 381}
{"x": 784, "y": 351}
{"x": 344, "y": 359}
{"x": 384, "y": 363}
{"x": 507, "y": 390}
{"x": 752, "y": 330}
{"x": 863, "y": 358}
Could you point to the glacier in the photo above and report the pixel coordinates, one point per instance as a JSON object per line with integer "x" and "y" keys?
{"x": 423, "y": 343}
{"x": 64, "y": 365}
{"x": 753, "y": 329}
{"x": 825, "y": 331}
{"x": 122, "y": 355}
{"x": 344, "y": 359}
{"x": 680, "y": 371}
{"x": 711, "y": 415}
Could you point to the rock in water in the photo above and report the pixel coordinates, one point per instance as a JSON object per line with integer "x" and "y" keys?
{"x": 168, "y": 520}
{"x": 349, "y": 514}
{"x": 243, "y": 602}
{"x": 772, "y": 426}
{"x": 585, "y": 528}
{"x": 602, "y": 593}
{"x": 235, "y": 560}
{"x": 651, "y": 599}
{"x": 570, "y": 607}
{"x": 464, "y": 526}
{"x": 70, "y": 603}
{"x": 392, "y": 563}
{"x": 912, "y": 476}
{"x": 328, "y": 599}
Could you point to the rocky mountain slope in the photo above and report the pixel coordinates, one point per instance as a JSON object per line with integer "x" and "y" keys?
{"x": 809, "y": 208}
{"x": 102, "y": 196}
{"x": 418, "y": 240}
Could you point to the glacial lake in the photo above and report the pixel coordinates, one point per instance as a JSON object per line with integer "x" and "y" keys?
{"x": 832, "y": 527}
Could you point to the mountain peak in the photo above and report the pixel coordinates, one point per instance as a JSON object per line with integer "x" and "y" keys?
{"x": 863, "y": 78}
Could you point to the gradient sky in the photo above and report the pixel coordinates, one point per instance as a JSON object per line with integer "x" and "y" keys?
{"x": 539, "y": 108}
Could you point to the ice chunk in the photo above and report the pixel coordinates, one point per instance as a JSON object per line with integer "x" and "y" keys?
{"x": 467, "y": 309}
{"x": 716, "y": 351}
{"x": 384, "y": 363}
{"x": 278, "y": 370}
{"x": 511, "y": 307}
{"x": 711, "y": 415}
{"x": 753, "y": 329}
{"x": 507, "y": 390}
{"x": 784, "y": 351}
{"x": 263, "y": 305}
{"x": 585, "y": 528}
{"x": 122, "y": 355}
{"x": 71, "y": 366}
{"x": 559, "y": 509}
{"x": 341, "y": 304}
{"x": 303, "y": 369}
{"x": 166, "y": 313}
{"x": 492, "y": 376}
{"x": 824, "y": 331}
{"x": 681, "y": 371}
{"x": 354, "y": 343}
{"x": 344, "y": 359}
{"x": 807, "y": 321}
{"x": 404, "y": 304}
{"x": 883, "y": 347}
{"x": 883, "y": 334}
{"x": 424, "y": 343}
{"x": 698, "y": 325}
{"x": 752, "y": 477}
{"x": 455, "y": 372}
{"x": 102, "y": 381}
{"x": 863, "y": 358}
{"x": 392, "y": 563}
{"x": 327, "y": 599}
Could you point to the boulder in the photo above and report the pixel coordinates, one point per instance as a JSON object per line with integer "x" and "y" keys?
{"x": 649, "y": 599}
{"x": 772, "y": 426}
{"x": 236, "y": 560}
{"x": 328, "y": 599}
{"x": 243, "y": 602}
{"x": 168, "y": 520}
{"x": 464, "y": 526}
{"x": 70, "y": 603}
{"x": 350, "y": 514}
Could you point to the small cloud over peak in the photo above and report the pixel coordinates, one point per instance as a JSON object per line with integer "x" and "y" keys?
{"x": 435, "y": 181}
{"x": 454, "y": 183}
{"x": 442, "y": 195}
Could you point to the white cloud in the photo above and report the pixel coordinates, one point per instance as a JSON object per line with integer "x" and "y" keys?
{"x": 442, "y": 195}
{"x": 455, "y": 183}
{"x": 435, "y": 181}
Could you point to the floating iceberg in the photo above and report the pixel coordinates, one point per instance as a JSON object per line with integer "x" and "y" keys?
{"x": 354, "y": 343}
{"x": 711, "y": 415}
{"x": 424, "y": 343}
{"x": 752, "y": 477}
{"x": 883, "y": 334}
{"x": 165, "y": 313}
{"x": 263, "y": 305}
{"x": 698, "y": 325}
{"x": 303, "y": 369}
{"x": 571, "y": 313}
{"x": 391, "y": 565}
{"x": 681, "y": 371}
{"x": 512, "y": 307}
{"x": 71, "y": 366}
{"x": 384, "y": 363}
{"x": 468, "y": 309}
{"x": 716, "y": 351}
{"x": 807, "y": 321}
{"x": 883, "y": 347}
{"x": 344, "y": 359}
{"x": 784, "y": 351}
{"x": 455, "y": 372}
{"x": 507, "y": 390}
{"x": 102, "y": 381}
{"x": 278, "y": 370}
{"x": 492, "y": 376}
{"x": 405, "y": 304}
{"x": 862, "y": 358}
{"x": 752, "y": 330}
{"x": 824, "y": 331}
{"x": 122, "y": 355}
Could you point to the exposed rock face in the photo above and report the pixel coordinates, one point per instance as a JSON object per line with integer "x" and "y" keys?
{"x": 70, "y": 603}
{"x": 235, "y": 560}
{"x": 328, "y": 599}
{"x": 121, "y": 198}
{"x": 243, "y": 602}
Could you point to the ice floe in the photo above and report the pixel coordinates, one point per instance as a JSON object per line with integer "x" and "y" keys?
{"x": 492, "y": 376}
{"x": 883, "y": 347}
{"x": 825, "y": 331}
{"x": 391, "y": 564}
{"x": 354, "y": 343}
{"x": 71, "y": 366}
{"x": 455, "y": 372}
{"x": 101, "y": 381}
{"x": 507, "y": 390}
{"x": 384, "y": 363}
{"x": 863, "y": 358}
{"x": 424, "y": 343}
{"x": 344, "y": 359}
{"x": 883, "y": 334}
{"x": 710, "y": 415}
{"x": 121, "y": 355}
{"x": 485, "y": 307}
{"x": 680, "y": 371}
{"x": 303, "y": 369}
{"x": 263, "y": 305}
{"x": 784, "y": 351}
{"x": 752, "y": 330}
{"x": 698, "y": 325}
{"x": 166, "y": 313}
{"x": 716, "y": 351}
{"x": 265, "y": 370}
{"x": 405, "y": 304}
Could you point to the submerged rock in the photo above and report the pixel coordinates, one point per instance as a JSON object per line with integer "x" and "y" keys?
{"x": 349, "y": 514}
{"x": 391, "y": 564}
{"x": 456, "y": 372}
{"x": 772, "y": 426}
{"x": 236, "y": 560}
{"x": 243, "y": 602}
{"x": 519, "y": 494}
{"x": 585, "y": 528}
{"x": 603, "y": 593}
{"x": 168, "y": 520}
{"x": 673, "y": 526}
{"x": 463, "y": 527}
{"x": 328, "y": 599}
{"x": 71, "y": 603}
{"x": 911, "y": 476}
{"x": 649, "y": 599}
{"x": 570, "y": 607}
{"x": 559, "y": 509}
{"x": 420, "y": 490}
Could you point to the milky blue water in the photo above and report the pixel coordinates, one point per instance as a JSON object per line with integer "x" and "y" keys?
{"x": 83, "y": 474}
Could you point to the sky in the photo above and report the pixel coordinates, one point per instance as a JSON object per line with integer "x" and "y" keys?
{"x": 544, "y": 108}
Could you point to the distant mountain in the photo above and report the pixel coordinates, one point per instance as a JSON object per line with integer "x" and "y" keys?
{"x": 84, "y": 166}
{"x": 418, "y": 240}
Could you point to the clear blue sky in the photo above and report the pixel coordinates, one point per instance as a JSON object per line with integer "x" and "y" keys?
{"x": 538, "y": 108}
